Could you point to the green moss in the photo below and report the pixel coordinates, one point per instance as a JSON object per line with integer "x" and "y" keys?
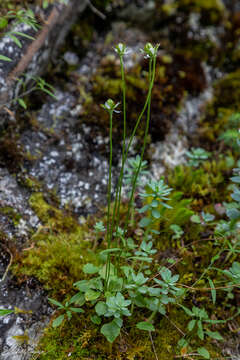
{"x": 226, "y": 101}
{"x": 227, "y": 91}
{"x": 83, "y": 340}
{"x": 11, "y": 213}
{"x": 208, "y": 182}
{"x": 57, "y": 248}
{"x": 216, "y": 5}
{"x": 50, "y": 215}
{"x": 55, "y": 260}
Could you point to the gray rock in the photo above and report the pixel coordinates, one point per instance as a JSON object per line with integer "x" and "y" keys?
{"x": 34, "y": 55}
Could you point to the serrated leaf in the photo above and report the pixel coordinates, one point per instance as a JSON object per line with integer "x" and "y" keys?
{"x": 90, "y": 269}
{"x": 145, "y": 325}
{"x": 203, "y": 352}
{"x": 58, "y": 321}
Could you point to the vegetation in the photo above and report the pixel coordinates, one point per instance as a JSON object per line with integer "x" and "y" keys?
{"x": 157, "y": 275}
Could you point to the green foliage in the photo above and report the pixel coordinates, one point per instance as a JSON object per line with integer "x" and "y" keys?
{"x": 4, "y": 312}
{"x": 208, "y": 181}
{"x": 156, "y": 194}
{"x": 137, "y": 280}
{"x": 197, "y": 156}
{"x": 231, "y": 134}
{"x": 126, "y": 286}
{"x": 131, "y": 170}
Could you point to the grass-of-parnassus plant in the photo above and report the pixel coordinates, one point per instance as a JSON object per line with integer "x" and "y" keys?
{"x": 125, "y": 279}
{"x": 126, "y": 285}
{"x": 122, "y": 278}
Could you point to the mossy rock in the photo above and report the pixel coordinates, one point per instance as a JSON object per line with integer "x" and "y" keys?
{"x": 227, "y": 91}
{"x": 83, "y": 340}
{"x": 11, "y": 213}
{"x": 211, "y": 11}
{"x": 209, "y": 182}
{"x": 226, "y": 101}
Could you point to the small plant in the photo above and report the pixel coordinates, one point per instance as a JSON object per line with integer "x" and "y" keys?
{"x": 123, "y": 278}
{"x": 67, "y": 309}
{"x": 177, "y": 230}
{"x": 132, "y": 167}
{"x": 21, "y": 16}
{"x": 157, "y": 194}
{"x": 196, "y": 156}
{"x": 231, "y": 134}
{"x": 198, "y": 325}
{"x": 128, "y": 288}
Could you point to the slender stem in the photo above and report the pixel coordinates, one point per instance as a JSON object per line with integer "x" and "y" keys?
{"x": 109, "y": 200}
{"x": 152, "y": 66}
{"x": 153, "y": 346}
{"x": 132, "y": 137}
{"x": 117, "y": 202}
{"x": 124, "y": 140}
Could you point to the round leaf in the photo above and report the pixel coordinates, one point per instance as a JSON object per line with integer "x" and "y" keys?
{"x": 90, "y": 269}
{"x": 101, "y": 308}
{"x": 110, "y": 331}
{"x": 91, "y": 295}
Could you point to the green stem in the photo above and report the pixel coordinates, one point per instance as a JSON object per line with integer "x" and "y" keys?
{"x": 152, "y": 68}
{"x": 117, "y": 202}
{"x": 109, "y": 200}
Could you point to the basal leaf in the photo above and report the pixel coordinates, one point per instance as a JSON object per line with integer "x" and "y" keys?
{"x": 110, "y": 331}
{"x": 90, "y": 269}
{"x": 91, "y": 295}
{"x": 145, "y": 325}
